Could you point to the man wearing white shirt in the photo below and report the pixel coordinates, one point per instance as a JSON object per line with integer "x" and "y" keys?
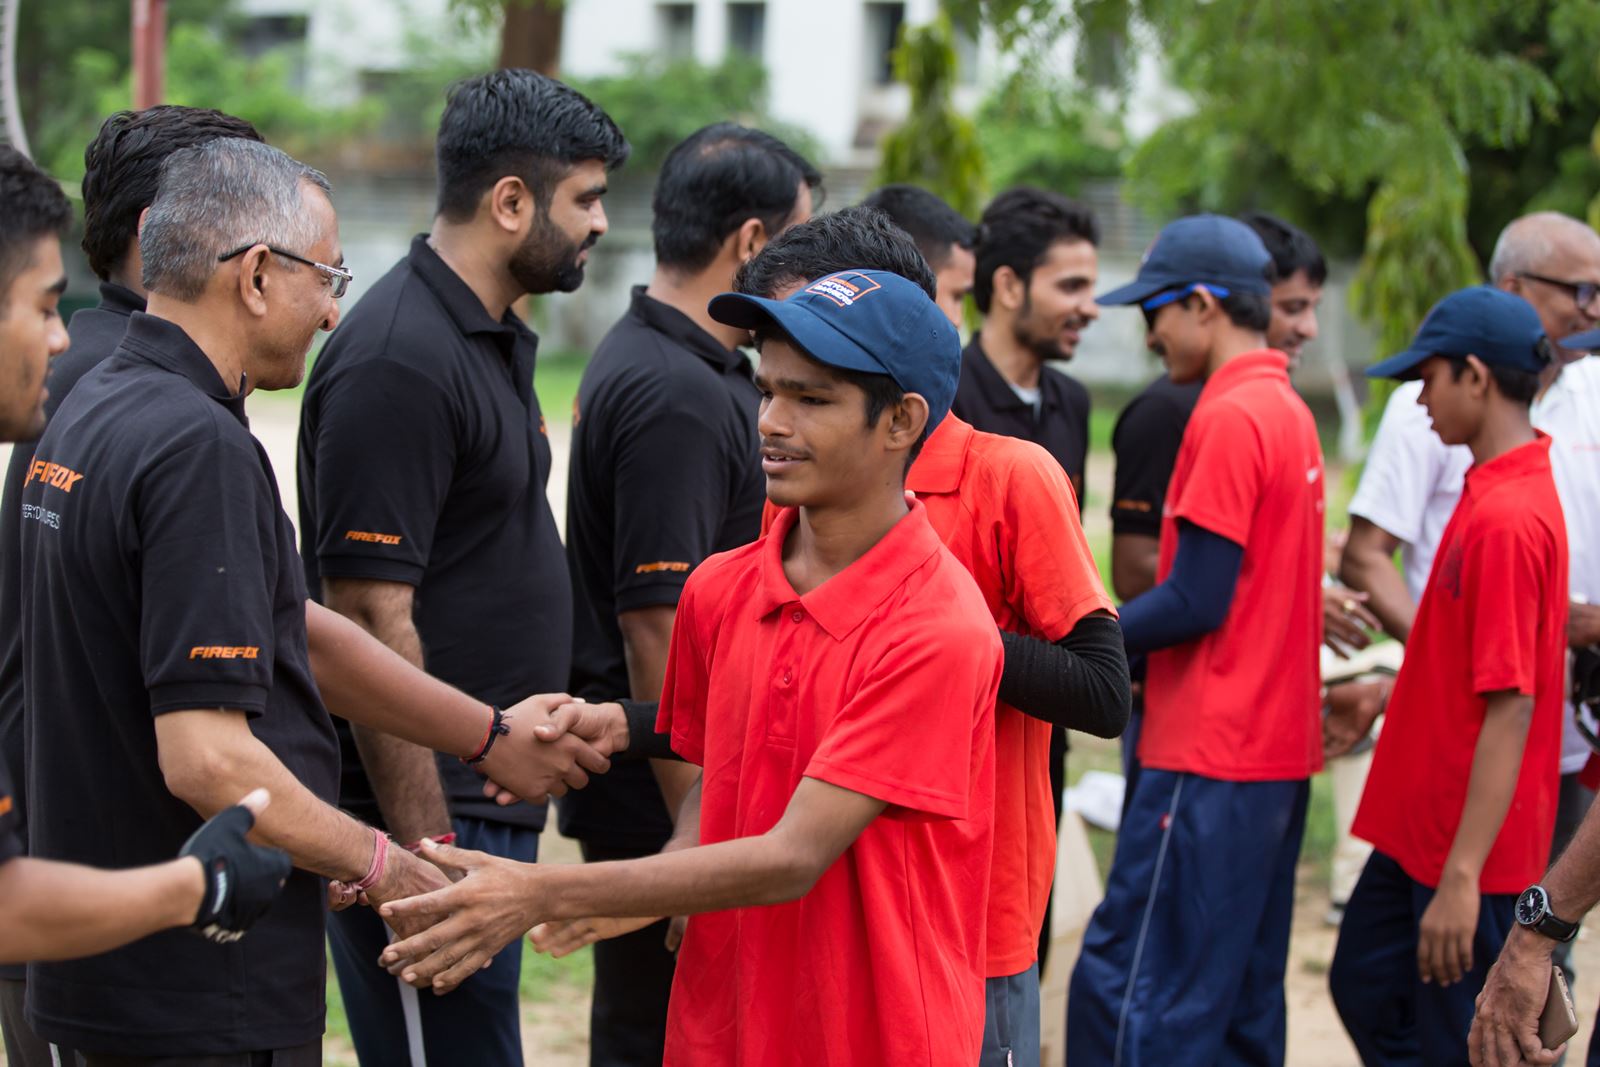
{"x": 1412, "y": 480}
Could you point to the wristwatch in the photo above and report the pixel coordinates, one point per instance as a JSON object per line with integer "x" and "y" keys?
{"x": 1533, "y": 912}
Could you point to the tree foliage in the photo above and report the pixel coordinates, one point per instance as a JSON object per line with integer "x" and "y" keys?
{"x": 936, "y": 147}
{"x": 1043, "y": 130}
{"x": 658, "y": 103}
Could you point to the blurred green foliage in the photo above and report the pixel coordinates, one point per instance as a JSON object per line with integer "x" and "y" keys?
{"x": 658, "y": 103}
{"x": 937, "y": 146}
{"x": 1044, "y": 130}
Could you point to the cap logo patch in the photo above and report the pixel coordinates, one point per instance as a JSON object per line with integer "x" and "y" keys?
{"x": 844, "y": 288}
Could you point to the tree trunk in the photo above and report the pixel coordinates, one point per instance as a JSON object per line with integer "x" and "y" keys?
{"x": 532, "y": 35}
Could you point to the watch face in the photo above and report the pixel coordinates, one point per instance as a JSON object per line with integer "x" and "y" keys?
{"x": 1532, "y": 906}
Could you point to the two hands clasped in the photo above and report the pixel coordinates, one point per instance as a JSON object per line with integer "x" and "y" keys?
{"x": 452, "y": 909}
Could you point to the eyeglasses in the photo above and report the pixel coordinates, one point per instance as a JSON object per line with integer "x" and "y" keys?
{"x": 338, "y": 278}
{"x": 1583, "y": 293}
{"x": 1172, "y": 296}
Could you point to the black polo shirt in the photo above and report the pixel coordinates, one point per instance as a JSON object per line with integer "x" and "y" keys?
{"x": 665, "y": 471}
{"x": 10, "y": 819}
{"x": 1145, "y": 442}
{"x": 423, "y": 459}
{"x": 160, "y": 574}
{"x": 95, "y": 333}
{"x": 986, "y": 400}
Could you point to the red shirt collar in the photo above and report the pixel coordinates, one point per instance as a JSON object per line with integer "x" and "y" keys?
{"x": 1524, "y": 459}
{"x": 842, "y": 602}
{"x": 937, "y": 468}
{"x": 1248, "y": 367}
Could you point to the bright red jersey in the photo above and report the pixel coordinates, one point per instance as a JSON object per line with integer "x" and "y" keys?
{"x": 1240, "y": 704}
{"x": 1493, "y": 618}
{"x": 882, "y": 680}
{"x": 1003, "y": 507}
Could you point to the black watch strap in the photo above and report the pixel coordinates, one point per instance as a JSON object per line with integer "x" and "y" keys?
{"x": 1533, "y": 911}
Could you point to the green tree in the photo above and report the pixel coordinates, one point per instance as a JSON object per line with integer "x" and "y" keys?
{"x": 936, "y": 147}
{"x": 1042, "y": 130}
{"x": 658, "y": 103}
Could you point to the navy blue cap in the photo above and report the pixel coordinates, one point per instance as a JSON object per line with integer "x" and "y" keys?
{"x": 863, "y": 320}
{"x": 1587, "y": 341}
{"x": 1199, "y": 250}
{"x": 1498, "y": 327}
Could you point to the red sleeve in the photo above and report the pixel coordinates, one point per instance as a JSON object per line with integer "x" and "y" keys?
{"x": 906, "y": 737}
{"x": 1052, "y": 581}
{"x": 682, "y": 714}
{"x": 1226, "y": 473}
{"x": 1502, "y": 571}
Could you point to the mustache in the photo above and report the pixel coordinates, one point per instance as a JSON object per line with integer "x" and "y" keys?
{"x": 779, "y": 450}
{"x": 588, "y": 242}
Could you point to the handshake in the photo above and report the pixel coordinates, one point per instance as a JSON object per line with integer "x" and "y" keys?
{"x": 555, "y": 743}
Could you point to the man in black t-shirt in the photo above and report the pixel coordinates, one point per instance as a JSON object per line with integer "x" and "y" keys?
{"x": 121, "y": 168}
{"x": 1034, "y": 284}
{"x": 423, "y": 463}
{"x": 170, "y": 659}
{"x": 665, "y": 471}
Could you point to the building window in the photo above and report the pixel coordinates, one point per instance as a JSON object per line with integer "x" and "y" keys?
{"x": 883, "y": 33}
{"x": 675, "y": 30}
{"x": 747, "y": 29}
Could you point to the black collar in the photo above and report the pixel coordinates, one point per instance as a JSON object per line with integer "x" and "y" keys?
{"x": 997, "y": 392}
{"x": 119, "y": 300}
{"x": 460, "y": 302}
{"x": 155, "y": 340}
{"x": 683, "y": 331}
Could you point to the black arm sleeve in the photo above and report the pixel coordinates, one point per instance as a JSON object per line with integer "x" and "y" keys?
{"x": 1080, "y": 682}
{"x": 643, "y": 741}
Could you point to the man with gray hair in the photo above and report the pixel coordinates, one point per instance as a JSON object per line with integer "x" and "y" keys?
{"x": 168, "y": 665}
{"x": 1412, "y": 480}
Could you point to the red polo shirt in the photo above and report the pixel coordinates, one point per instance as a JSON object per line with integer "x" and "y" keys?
{"x": 1003, "y": 507}
{"x": 1493, "y": 618}
{"x": 1240, "y": 704}
{"x": 882, "y": 680}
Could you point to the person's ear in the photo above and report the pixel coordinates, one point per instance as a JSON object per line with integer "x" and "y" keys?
{"x": 145, "y": 214}
{"x": 1477, "y": 377}
{"x": 511, "y": 204}
{"x": 254, "y": 280}
{"x": 907, "y": 420}
{"x": 749, "y": 239}
{"x": 1010, "y": 290}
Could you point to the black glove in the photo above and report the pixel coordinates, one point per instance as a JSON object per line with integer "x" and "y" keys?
{"x": 242, "y": 880}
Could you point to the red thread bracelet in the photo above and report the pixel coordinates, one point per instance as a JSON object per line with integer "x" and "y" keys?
{"x": 442, "y": 839}
{"x": 380, "y": 856}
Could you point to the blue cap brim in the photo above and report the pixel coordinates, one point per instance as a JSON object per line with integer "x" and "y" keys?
{"x": 1401, "y": 367}
{"x": 815, "y": 336}
{"x": 1135, "y": 292}
{"x": 1587, "y": 341}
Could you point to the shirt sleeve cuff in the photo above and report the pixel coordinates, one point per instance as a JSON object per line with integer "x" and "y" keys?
{"x": 188, "y": 696}
{"x": 1135, "y": 522}
{"x": 656, "y": 593}
{"x": 900, "y": 794}
{"x": 382, "y": 570}
{"x": 10, "y": 847}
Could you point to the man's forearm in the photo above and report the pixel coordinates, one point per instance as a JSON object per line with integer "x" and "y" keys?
{"x": 1367, "y": 571}
{"x": 1080, "y": 682}
{"x": 1496, "y": 765}
{"x": 59, "y": 911}
{"x": 404, "y": 776}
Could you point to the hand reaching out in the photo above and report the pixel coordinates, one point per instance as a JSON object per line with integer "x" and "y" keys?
{"x": 561, "y": 722}
{"x": 533, "y": 765}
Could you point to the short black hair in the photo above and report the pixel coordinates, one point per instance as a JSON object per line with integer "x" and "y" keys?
{"x": 853, "y": 238}
{"x": 933, "y": 224}
{"x": 1517, "y": 386}
{"x": 517, "y": 122}
{"x": 713, "y": 181}
{"x": 32, "y": 206}
{"x": 1290, "y": 247}
{"x": 122, "y": 169}
{"x": 1018, "y": 229}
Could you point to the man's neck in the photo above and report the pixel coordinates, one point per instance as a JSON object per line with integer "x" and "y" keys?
{"x": 690, "y": 293}
{"x": 129, "y": 273}
{"x": 1016, "y": 362}
{"x": 1230, "y": 344}
{"x": 1505, "y": 426}
{"x": 825, "y": 541}
{"x": 220, "y": 342}
{"x": 472, "y": 258}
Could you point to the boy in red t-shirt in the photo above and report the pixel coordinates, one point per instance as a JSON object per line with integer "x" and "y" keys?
{"x": 1461, "y": 800}
{"x": 1183, "y": 960}
{"x": 836, "y": 681}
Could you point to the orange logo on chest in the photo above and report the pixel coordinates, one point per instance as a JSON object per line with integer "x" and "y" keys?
{"x": 53, "y": 474}
{"x": 224, "y": 652}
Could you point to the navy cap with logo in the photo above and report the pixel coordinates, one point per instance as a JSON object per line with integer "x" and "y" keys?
{"x": 1211, "y": 250}
{"x": 1498, "y": 327}
{"x": 863, "y": 320}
